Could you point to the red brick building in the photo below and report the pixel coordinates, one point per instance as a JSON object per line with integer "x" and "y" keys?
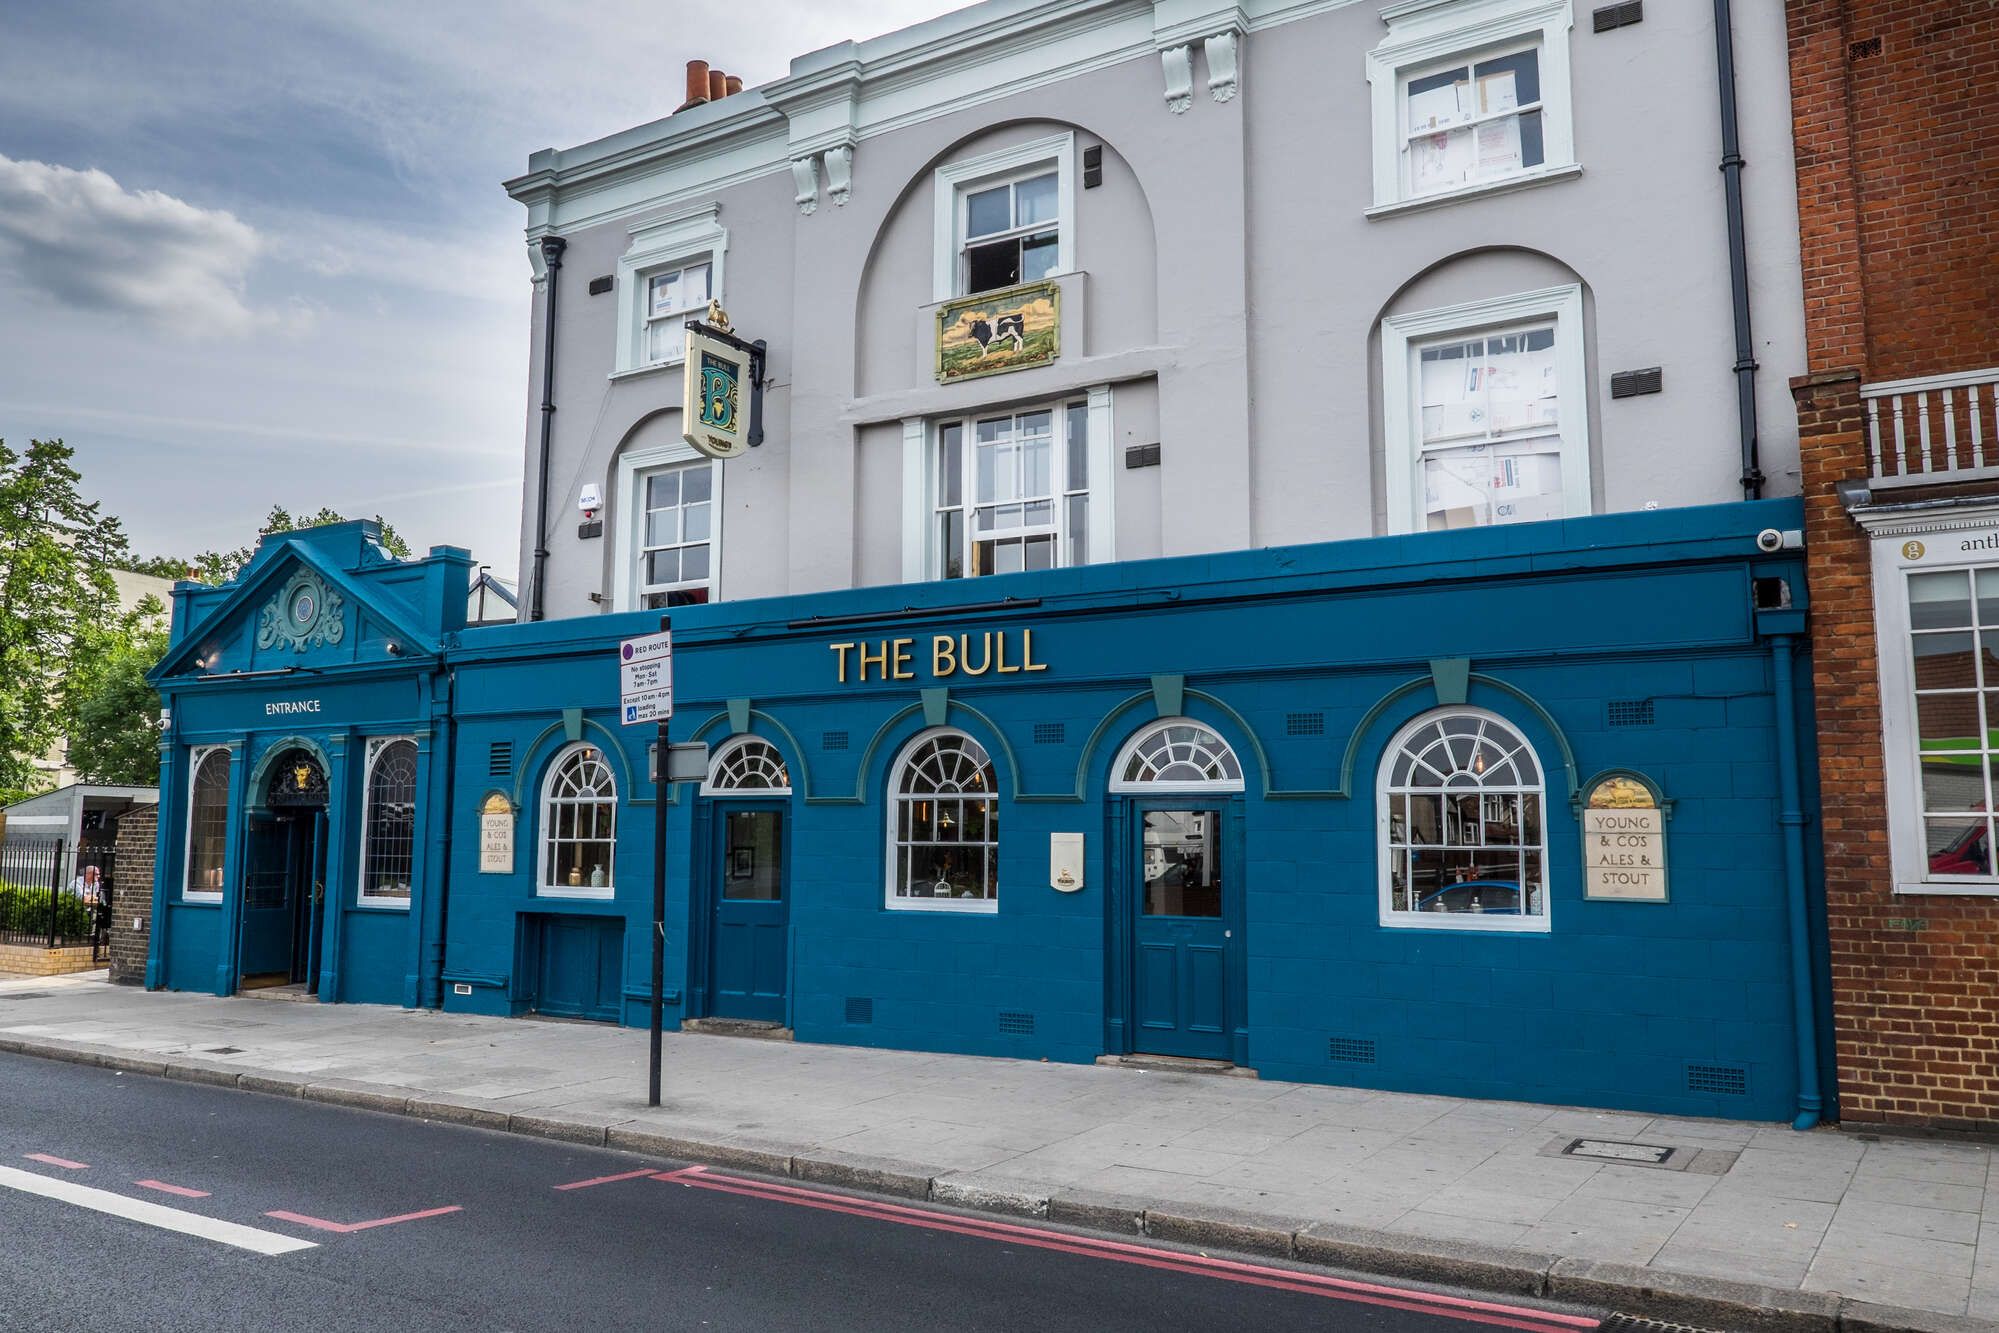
{"x": 1898, "y": 194}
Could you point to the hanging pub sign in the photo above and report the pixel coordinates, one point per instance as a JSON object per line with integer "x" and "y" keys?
{"x": 721, "y": 388}
{"x": 1624, "y": 840}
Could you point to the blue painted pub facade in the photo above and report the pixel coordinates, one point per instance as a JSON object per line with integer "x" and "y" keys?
{"x": 1318, "y": 811}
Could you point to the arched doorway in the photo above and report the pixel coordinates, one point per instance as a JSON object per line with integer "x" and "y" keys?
{"x": 1177, "y": 898}
{"x": 284, "y": 876}
{"x": 748, "y": 800}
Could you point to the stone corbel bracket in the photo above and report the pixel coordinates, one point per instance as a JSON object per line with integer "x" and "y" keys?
{"x": 820, "y": 106}
{"x": 1176, "y": 26}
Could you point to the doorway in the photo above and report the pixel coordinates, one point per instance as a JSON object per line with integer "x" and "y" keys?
{"x": 749, "y": 962}
{"x": 1183, "y": 938}
{"x": 284, "y": 879}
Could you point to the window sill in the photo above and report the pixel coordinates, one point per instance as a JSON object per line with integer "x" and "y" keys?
{"x": 1948, "y": 889}
{"x": 967, "y": 907}
{"x": 1476, "y": 925}
{"x": 1423, "y": 203}
{"x": 600, "y": 895}
{"x": 640, "y": 372}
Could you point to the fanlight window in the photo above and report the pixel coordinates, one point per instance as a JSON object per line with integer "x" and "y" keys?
{"x": 579, "y": 824}
{"x": 750, "y": 764}
{"x": 389, "y": 827}
{"x": 1463, "y": 843}
{"x": 944, "y": 826}
{"x": 1178, "y": 754}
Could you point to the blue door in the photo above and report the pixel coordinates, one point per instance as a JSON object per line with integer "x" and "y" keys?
{"x": 267, "y": 902}
{"x": 580, "y": 971}
{"x": 752, "y": 915}
{"x": 1183, "y": 938}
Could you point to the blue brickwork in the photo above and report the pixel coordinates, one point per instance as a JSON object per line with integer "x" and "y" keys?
{"x": 1622, "y": 641}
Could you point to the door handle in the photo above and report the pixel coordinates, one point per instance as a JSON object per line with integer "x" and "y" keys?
{"x": 318, "y": 894}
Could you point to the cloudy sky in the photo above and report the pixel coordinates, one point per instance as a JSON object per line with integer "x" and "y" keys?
{"x": 257, "y": 252}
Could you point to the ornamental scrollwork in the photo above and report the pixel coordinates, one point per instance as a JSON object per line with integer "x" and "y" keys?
{"x": 305, "y": 614}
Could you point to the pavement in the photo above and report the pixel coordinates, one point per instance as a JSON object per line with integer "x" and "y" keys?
{"x": 153, "y": 1204}
{"x": 1747, "y": 1226}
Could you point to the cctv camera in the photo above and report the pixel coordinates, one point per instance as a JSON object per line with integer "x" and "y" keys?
{"x": 1769, "y": 541}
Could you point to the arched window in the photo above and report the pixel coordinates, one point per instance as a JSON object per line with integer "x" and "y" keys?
{"x": 1462, "y": 838}
{"x": 1178, "y": 754}
{"x": 207, "y": 824}
{"x": 748, "y": 764}
{"x": 579, "y": 823}
{"x": 943, "y": 833}
{"x": 388, "y": 823}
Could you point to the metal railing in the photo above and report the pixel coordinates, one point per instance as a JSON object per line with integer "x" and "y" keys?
{"x": 54, "y": 895}
{"x": 1935, "y": 429}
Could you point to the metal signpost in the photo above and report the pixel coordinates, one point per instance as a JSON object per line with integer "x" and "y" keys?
{"x": 645, "y": 694}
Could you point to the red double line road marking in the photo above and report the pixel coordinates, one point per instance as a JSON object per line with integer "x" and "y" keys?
{"x": 62, "y": 1162}
{"x": 321, "y": 1224}
{"x": 165, "y": 1188}
{"x": 606, "y": 1180}
{"x": 1491, "y": 1313}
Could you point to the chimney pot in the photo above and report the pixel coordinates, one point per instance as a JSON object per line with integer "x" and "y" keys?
{"x": 697, "y": 83}
{"x": 734, "y": 85}
{"x": 718, "y": 85}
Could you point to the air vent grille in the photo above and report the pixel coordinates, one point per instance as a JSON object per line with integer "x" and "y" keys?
{"x": 1017, "y": 1023}
{"x": 860, "y": 1009}
{"x": 1049, "y": 733}
{"x": 1350, "y": 1050}
{"x": 1722, "y": 1080}
{"x": 1632, "y": 383}
{"x": 833, "y": 740}
{"x": 500, "y": 759}
{"x": 1304, "y": 724}
{"x": 1618, "y": 15}
{"x": 1630, "y": 712}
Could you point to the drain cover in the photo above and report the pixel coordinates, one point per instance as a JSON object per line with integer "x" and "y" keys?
{"x": 1624, "y": 1323}
{"x": 1616, "y": 1150}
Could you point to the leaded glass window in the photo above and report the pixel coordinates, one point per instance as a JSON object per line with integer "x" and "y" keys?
{"x": 388, "y": 823}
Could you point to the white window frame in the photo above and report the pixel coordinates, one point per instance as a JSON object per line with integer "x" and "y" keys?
{"x": 377, "y": 747}
{"x": 1401, "y": 335}
{"x": 689, "y": 236}
{"x": 894, "y": 802}
{"x": 196, "y": 757}
{"x": 1427, "y": 35}
{"x": 1414, "y": 920}
{"x": 544, "y": 833}
{"x": 629, "y": 518}
{"x": 954, "y": 180}
{"x": 1925, "y": 544}
{"x": 922, "y": 556}
{"x": 712, "y": 786}
{"x": 1121, "y": 785}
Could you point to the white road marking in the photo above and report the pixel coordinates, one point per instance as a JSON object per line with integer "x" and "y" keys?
{"x": 152, "y": 1214}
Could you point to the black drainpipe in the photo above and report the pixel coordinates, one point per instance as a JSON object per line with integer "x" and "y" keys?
{"x": 1738, "y": 251}
{"x": 551, "y": 257}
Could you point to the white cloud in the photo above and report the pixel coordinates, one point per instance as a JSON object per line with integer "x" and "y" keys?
{"x": 83, "y": 240}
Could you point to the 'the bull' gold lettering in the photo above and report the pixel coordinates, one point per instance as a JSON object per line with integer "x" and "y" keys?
{"x": 994, "y": 652}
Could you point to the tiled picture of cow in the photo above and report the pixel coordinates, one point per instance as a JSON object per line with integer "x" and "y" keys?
{"x": 1011, "y": 329}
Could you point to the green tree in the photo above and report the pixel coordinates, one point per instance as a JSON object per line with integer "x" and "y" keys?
{"x": 56, "y": 555}
{"x": 108, "y": 703}
{"x": 222, "y": 566}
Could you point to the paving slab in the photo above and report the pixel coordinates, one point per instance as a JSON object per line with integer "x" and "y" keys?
{"x": 1820, "y": 1228}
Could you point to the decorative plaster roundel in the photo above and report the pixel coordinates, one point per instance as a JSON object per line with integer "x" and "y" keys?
{"x": 306, "y": 614}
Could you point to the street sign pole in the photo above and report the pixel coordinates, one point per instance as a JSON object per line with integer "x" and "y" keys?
{"x": 659, "y": 896}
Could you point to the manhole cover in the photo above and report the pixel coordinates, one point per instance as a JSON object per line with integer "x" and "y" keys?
{"x": 1616, "y": 1150}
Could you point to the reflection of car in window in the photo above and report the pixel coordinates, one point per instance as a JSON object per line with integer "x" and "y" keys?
{"x": 1488, "y": 897}
{"x": 1967, "y": 855}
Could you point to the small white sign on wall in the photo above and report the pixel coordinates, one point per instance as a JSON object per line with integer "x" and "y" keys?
{"x": 1065, "y": 862}
{"x": 496, "y": 835}
{"x": 1624, "y": 843}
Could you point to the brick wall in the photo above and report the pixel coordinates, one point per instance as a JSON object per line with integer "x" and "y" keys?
{"x": 1899, "y": 224}
{"x": 132, "y": 894}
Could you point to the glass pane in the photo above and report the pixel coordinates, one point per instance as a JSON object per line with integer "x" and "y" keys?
{"x": 662, "y": 490}
{"x": 1505, "y": 82}
{"x": 1438, "y": 101}
{"x": 986, "y": 211}
{"x": 1958, "y": 846}
{"x": 1532, "y": 152}
{"x": 695, "y": 522}
{"x": 694, "y": 289}
{"x": 1079, "y": 530}
{"x": 753, "y": 864}
{"x": 1939, "y": 601}
{"x": 1039, "y": 553}
{"x": 696, "y": 484}
{"x": 662, "y": 527}
{"x": 1518, "y": 482}
{"x": 1078, "y": 446}
{"x": 662, "y": 293}
{"x": 951, "y": 538}
{"x": 1947, "y": 721}
{"x": 1038, "y": 254}
{"x": 1034, "y": 200}
{"x": 950, "y": 464}
{"x": 667, "y": 340}
{"x": 1036, "y": 463}
{"x": 1182, "y": 863}
{"x": 1475, "y": 882}
{"x": 694, "y": 562}
{"x": 1007, "y": 557}
{"x": 1944, "y": 662}
{"x": 663, "y": 567}
{"x": 990, "y": 267}
{"x": 1953, "y": 783}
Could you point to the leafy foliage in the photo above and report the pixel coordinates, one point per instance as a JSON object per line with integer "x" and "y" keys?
{"x": 57, "y": 551}
{"x": 26, "y": 910}
{"x": 109, "y": 705}
{"x": 222, "y": 566}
